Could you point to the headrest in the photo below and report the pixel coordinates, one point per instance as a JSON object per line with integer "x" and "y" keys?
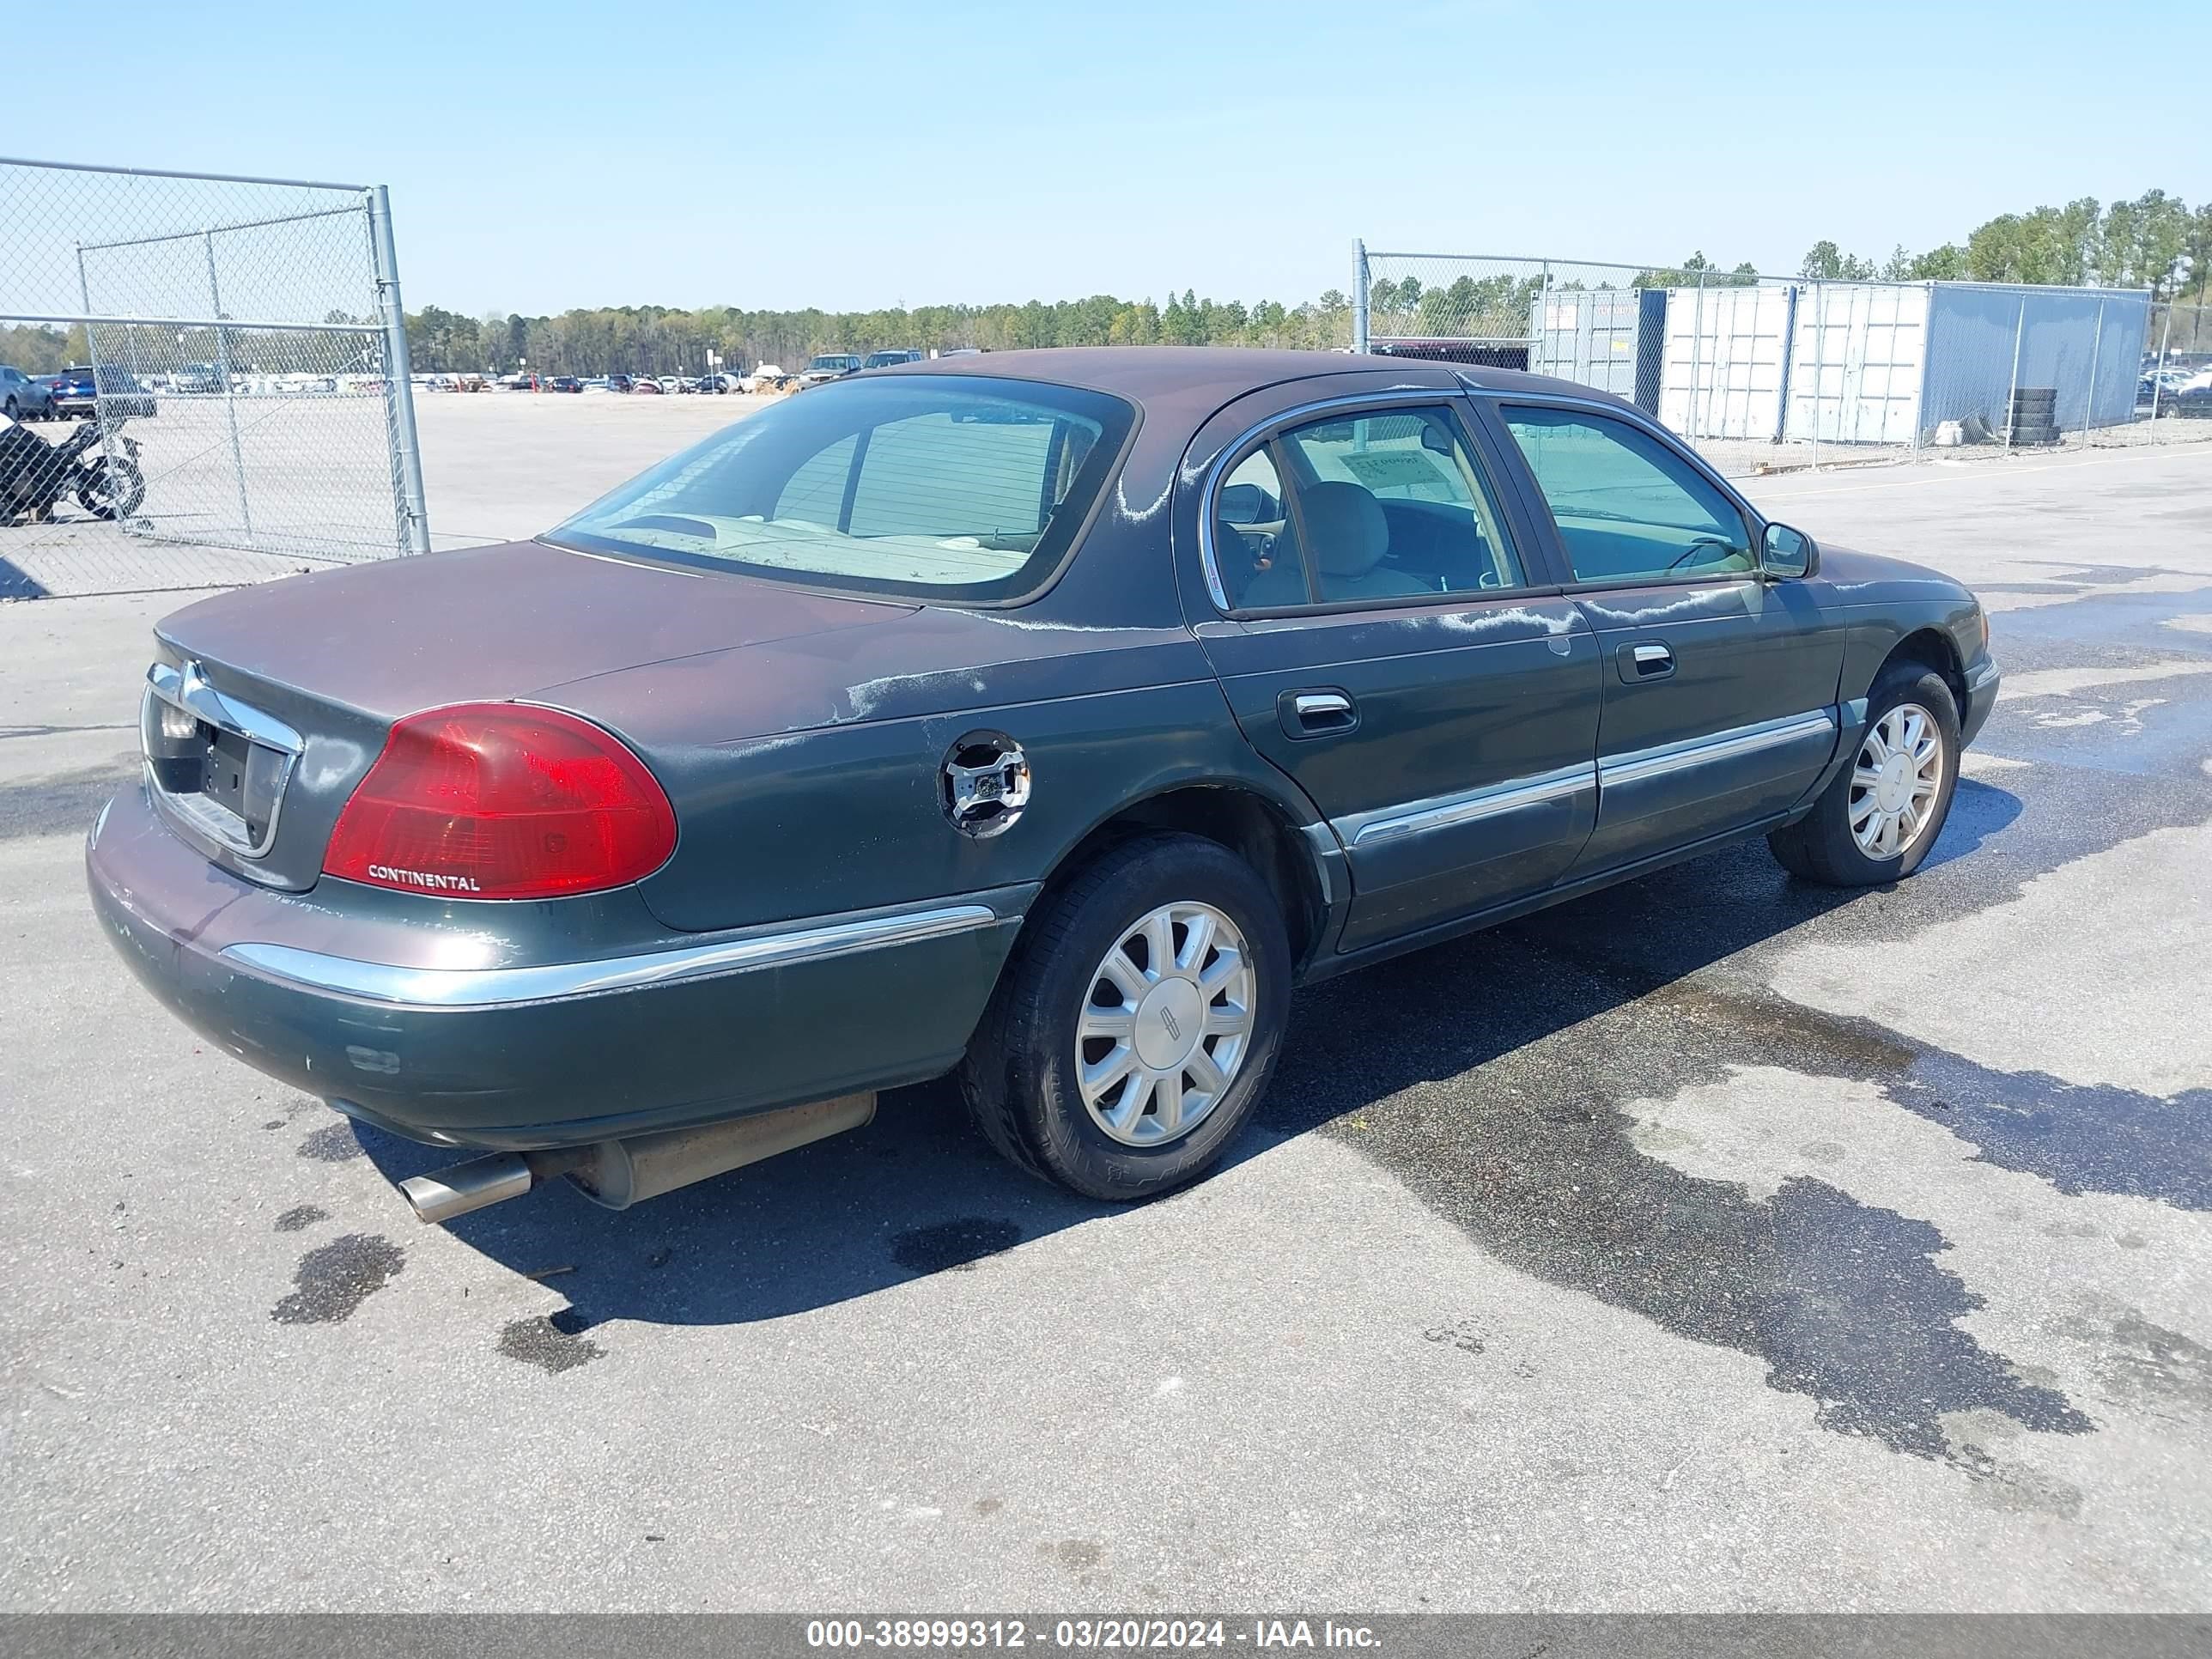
{"x": 1346, "y": 524}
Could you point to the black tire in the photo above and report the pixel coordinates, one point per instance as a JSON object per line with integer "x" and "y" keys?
{"x": 8, "y": 408}
{"x": 116, "y": 490}
{"x": 1820, "y": 846}
{"x": 1020, "y": 1074}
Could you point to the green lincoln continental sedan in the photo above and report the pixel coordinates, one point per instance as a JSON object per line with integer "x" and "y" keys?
{"x": 1045, "y": 716}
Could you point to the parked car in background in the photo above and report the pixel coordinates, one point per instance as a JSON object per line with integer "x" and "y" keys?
{"x": 769, "y": 377}
{"x": 1048, "y": 720}
{"x": 644, "y": 388}
{"x": 197, "y": 380}
{"x": 2194, "y": 398}
{"x": 74, "y": 393}
{"x": 23, "y": 398}
{"x": 885, "y": 359}
{"x": 564, "y": 383}
{"x": 829, "y": 365}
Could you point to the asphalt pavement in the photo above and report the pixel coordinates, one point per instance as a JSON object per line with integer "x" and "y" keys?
{"x": 1714, "y": 1242}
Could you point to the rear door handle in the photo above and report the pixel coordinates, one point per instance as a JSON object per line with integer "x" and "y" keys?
{"x": 1647, "y": 660}
{"x": 1316, "y": 713}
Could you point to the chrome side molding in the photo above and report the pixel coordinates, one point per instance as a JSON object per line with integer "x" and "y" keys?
{"x": 1441, "y": 812}
{"x": 1658, "y": 761}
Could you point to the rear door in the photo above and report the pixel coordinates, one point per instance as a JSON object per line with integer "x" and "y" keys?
{"x": 1386, "y": 637}
{"x": 1719, "y": 686}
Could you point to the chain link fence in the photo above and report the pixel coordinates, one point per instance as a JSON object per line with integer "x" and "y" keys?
{"x": 208, "y": 380}
{"x": 1763, "y": 372}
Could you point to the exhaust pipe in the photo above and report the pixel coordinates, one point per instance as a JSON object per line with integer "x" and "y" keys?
{"x": 620, "y": 1173}
{"x": 470, "y": 1186}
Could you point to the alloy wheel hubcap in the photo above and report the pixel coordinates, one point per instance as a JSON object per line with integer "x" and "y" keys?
{"x": 1895, "y": 780}
{"x": 1166, "y": 1024}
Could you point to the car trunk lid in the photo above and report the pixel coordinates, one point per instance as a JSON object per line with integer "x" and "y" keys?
{"x": 330, "y": 661}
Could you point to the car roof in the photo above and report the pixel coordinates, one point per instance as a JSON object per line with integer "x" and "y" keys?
{"x": 1192, "y": 382}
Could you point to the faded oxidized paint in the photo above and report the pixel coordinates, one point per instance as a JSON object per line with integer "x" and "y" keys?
{"x": 800, "y": 735}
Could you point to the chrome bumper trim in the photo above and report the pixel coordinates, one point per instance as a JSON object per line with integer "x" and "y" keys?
{"x": 1725, "y": 745}
{"x": 484, "y": 987}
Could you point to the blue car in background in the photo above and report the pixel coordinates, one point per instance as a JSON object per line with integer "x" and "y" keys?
{"x": 77, "y": 391}
{"x": 22, "y": 397}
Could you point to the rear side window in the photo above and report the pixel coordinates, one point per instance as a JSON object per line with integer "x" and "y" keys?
{"x": 1356, "y": 509}
{"x": 939, "y": 487}
{"x": 1628, "y": 507}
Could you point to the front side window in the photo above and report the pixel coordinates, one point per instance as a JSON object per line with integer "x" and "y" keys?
{"x": 1360, "y": 508}
{"x": 1628, "y": 507}
{"x": 936, "y": 486}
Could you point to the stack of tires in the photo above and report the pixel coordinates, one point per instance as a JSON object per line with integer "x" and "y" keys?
{"x": 2034, "y": 414}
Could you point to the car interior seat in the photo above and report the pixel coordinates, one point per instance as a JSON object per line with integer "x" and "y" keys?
{"x": 1351, "y": 538}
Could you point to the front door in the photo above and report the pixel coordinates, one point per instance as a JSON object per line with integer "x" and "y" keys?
{"x": 1720, "y": 685}
{"x": 1384, "y": 639}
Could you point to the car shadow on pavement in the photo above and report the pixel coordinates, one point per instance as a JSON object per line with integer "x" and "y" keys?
{"x": 917, "y": 1191}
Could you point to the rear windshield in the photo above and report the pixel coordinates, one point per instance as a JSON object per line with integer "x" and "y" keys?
{"x": 941, "y": 487}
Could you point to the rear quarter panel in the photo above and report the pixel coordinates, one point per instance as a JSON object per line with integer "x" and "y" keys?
{"x": 834, "y": 802}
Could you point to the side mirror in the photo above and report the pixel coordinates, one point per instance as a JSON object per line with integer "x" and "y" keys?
{"x": 1785, "y": 553}
{"x": 1246, "y": 503}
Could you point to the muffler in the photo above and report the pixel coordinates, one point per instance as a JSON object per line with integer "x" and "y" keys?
{"x": 620, "y": 1173}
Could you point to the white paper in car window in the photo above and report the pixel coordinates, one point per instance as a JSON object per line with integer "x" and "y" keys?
{"x": 1391, "y": 469}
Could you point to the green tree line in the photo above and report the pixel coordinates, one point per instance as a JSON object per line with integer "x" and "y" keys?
{"x": 663, "y": 340}
{"x": 2156, "y": 241}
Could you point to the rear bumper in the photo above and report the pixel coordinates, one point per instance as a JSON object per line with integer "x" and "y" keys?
{"x": 556, "y": 1053}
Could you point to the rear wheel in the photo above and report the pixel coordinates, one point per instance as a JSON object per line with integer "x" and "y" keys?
{"x": 115, "y": 489}
{"x": 1878, "y": 819}
{"x": 1139, "y": 1022}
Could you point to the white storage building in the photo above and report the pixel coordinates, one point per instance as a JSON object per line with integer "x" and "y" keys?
{"x": 1849, "y": 363}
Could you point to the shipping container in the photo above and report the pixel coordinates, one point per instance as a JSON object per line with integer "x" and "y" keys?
{"x": 1893, "y": 363}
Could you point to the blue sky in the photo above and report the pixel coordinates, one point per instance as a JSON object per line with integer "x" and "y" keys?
{"x": 551, "y": 154}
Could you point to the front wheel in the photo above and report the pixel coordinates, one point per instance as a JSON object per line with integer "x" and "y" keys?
{"x": 114, "y": 489}
{"x": 1138, "y": 1023}
{"x": 1880, "y": 818}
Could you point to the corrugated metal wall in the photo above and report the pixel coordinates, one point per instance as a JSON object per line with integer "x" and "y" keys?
{"x": 2085, "y": 342}
{"x": 1855, "y": 361}
{"x": 1886, "y": 363}
{"x": 1727, "y": 360}
{"x": 1609, "y": 338}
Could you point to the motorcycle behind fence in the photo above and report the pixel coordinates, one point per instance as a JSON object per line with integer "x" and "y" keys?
{"x": 35, "y": 476}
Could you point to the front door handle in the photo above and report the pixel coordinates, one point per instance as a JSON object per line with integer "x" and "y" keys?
{"x": 1316, "y": 713}
{"x": 1646, "y": 661}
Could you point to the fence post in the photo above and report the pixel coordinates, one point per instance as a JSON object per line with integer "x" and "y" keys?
{"x": 400, "y": 394}
{"x": 1359, "y": 294}
{"x": 2089, "y": 402}
{"x": 91, "y": 350}
{"x": 1820, "y": 352}
{"x": 229, "y": 400}
{"x": 2012, "y": 392}
{"x": 2158, "y": 380}
{"x": 1697, "y": 362}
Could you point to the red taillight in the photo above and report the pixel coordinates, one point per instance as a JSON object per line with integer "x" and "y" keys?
{"x": 498, "y": 800}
